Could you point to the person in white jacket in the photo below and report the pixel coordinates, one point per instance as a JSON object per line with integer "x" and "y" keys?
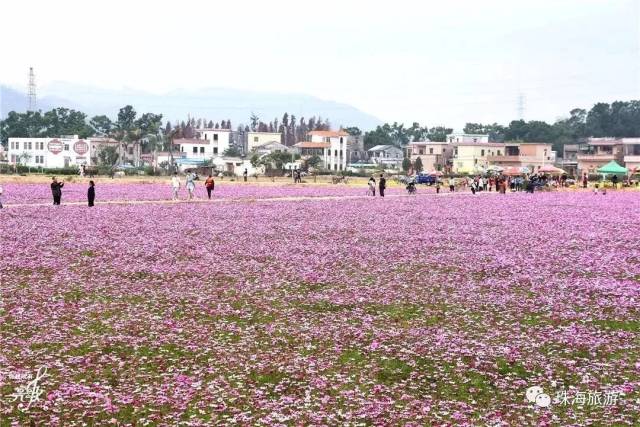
{"x": 175, "y": 185}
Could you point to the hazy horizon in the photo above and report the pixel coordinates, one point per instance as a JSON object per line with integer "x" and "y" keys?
{"x": 430, "y": 62}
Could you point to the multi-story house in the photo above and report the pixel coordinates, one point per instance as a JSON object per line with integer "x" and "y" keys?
{"x": 631, "y": 153}
{"x": 433, "y": 155}
{"x": 597, "y": 152}
{"x": 532, "y": 155}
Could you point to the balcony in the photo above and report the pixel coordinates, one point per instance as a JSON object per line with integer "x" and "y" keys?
{"x": 516, "y": 159}
{"x": 595, "y": 157}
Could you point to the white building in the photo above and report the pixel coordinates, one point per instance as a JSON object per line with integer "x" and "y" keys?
{"x": 334, "y": 148}
{"x": 62, "y": 152}
{"x": 255, "y": 139}
{"x": 218, "y": 138}
{"x": 202, "y": 149}
{"x": 388, "y": 155}
{"x": 459, "y": 137}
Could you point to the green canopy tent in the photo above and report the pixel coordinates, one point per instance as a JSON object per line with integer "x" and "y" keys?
{"x": 612, "y": 168}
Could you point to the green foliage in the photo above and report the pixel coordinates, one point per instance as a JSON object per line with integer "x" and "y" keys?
{"x": 353, "y": 131}
{"x": 108, "y": 156}
{"x": 406, "y": 164}
{"x": 102, "y": 124}
{"x": 232, "y": 152}
{"x": 417, "y": 166}
{"x": 313, "y": 161}
{"x": 396, "y": 134}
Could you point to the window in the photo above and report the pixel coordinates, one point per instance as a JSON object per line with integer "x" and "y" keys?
{"x": 444, "y": 150}
{"x": 66, "y": 147}
{"x": 205, "y": 137}
{"x": 430, "y": 150}
{"x": 255, "y": 139}
{"x": 335, "y": 167}
{"x": 335, "y": 153}
{"x": 482, "y": 153}
{"x": 341, "y": 141}
{"x": 195, "y": 150}
{"x": 201, "y": 150}
{"x": 475, "y": 161}
{"x": 29, "y": 146}
{"x": 475, "y": 139}
{"x": 215, "y": 136}
{"x": 215, "y": 150}
{"x": 499, "y": 153}
{"x": 421, "y": 151}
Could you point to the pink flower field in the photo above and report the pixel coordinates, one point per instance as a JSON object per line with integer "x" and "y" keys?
{"x": 424, "y": 310}
{"x": 123, "y": 192}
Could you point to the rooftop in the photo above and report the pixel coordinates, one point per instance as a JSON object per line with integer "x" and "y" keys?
{"x": 308, "y": 144}
{"x": 383, "y": 147}
{"x": 328, "y": 133}
{"x": 191, "y": 141}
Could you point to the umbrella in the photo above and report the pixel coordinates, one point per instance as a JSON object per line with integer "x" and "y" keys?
{"x": 612, "y": 168}
{"x": 552, "y": 170}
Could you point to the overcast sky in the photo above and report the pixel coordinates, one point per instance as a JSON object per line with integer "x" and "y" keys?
{"x": 429, "y": 61}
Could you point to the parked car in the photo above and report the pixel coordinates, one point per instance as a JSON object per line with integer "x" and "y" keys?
{"x": 422, "y": 178}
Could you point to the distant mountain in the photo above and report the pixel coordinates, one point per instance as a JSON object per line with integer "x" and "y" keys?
{"x": 15, "y": 100}
{"x": 213, "y": 104}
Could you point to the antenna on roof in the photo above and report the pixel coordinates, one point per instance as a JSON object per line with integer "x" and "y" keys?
{"x": 31, "y": 94}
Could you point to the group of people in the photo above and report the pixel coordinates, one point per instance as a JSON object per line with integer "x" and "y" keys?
{"x": 56, "y": 192}
{"x": 382, "y": 185}
{"x": 190, "y": 184}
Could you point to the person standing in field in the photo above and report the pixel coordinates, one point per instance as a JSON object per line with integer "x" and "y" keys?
{"x": 191, "y": 185}
{"x": 382, "y": 185}
{"x": 175, "y": 185}
{"x": 1, "y": 192}
{"x": 56, "y": 190}
{"x": 209, "y": 184}
{"x": 452, "y": 185}
{"x": 91, "y": 193}
{"x": 244, "y": 174}
{"x": 372, "y": 186}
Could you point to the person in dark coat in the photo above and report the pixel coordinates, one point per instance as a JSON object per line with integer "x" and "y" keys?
{"x": 56, "y": 190}
{"x": 91, "y": 193}
{"x": 382, "y": 184}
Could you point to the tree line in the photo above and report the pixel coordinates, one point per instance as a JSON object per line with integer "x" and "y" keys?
{"x": 618, "y": 119}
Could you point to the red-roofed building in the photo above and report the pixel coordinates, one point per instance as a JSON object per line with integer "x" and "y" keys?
{"x": 330, "y": 146}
